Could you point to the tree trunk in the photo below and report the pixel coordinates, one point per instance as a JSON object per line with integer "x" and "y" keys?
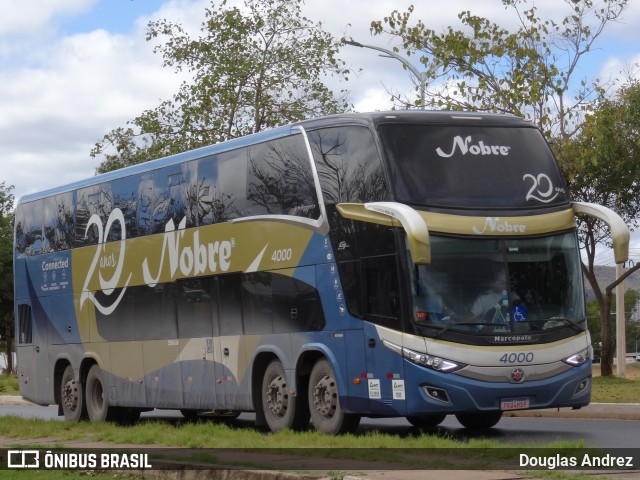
{"x": 9, "y": 344}
{"x": 608, "y": 344}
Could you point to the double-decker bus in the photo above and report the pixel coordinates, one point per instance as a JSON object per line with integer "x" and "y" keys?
{"x": 400, "y": 264}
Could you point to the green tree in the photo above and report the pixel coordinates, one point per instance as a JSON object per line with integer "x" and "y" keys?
{"x": 252, "y": 68}
{"x": 603, "y": 166}
{"x": 6, "y": 270}
{"x": 532, "y": 71}
{"x": 632, "y": 318}
{"x": 631, "y": 306}
{"x": 529, "y": 71}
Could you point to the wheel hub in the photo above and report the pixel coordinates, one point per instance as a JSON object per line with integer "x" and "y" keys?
{"x": 70, "y": 395}
{"x": 277, "y": 397}
{"x": 325, "y": 396}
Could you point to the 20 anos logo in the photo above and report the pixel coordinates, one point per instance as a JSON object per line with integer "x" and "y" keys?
{"x": 101, "y": 260}
{"x": 542, "y": 189}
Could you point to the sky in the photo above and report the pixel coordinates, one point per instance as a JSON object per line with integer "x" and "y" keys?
{"x": 73, "y": 70}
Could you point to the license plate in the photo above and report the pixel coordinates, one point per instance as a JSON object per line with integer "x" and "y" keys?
{"x": 514, "y": 403}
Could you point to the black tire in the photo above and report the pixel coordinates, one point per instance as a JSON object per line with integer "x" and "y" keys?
{"x": 72, "y": 397}
{"x": 97, "y": 398}
{"x": 479, "y": 420}
{"x": 324, "y": 402}
{"x": 281, "y": 410}
{"x": 127, "y": 415}
{"x": 190, "y": 415}
{"x": 427, "y": 421}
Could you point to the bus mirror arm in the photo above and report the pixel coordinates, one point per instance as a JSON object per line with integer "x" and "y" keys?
{"x": 619, "y": 230}
{"x": 398, "y": 215}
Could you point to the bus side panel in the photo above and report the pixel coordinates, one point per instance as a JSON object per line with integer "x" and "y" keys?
{"x": 163, "y": 387}
{"x": 127, "y": 374}
{"x": 197, "y": 373}
{"x": 385, "y": 372}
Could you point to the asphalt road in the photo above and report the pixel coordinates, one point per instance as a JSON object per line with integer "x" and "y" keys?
{"x": 601, "y": 433}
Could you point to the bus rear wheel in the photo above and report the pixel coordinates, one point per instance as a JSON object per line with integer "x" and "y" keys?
{"x": 281, "y": 409}
{"x": 479, "y": 420}
{"x": 72, "y": 397}
{"x": 324, "y": 402}
{"x": 97, "y": 398}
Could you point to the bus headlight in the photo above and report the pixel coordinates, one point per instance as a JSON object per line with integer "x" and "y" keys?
{"x": 579, "y": 358}
{"x": 424, "y": 360}
{"x": 430, "y": 361}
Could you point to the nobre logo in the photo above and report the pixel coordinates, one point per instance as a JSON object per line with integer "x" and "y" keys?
{"x": 466, "y": 145}
{"x": 494, "y": 224}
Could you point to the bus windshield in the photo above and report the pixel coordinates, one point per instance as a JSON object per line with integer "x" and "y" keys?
{"x": 495, "y": 286}
{"x": 473, "y": 167}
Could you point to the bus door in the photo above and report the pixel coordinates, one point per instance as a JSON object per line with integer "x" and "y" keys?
{"x": 230, "y": 357}
{"x": 32, "y": 353}
{"x": 197, "y": 331}
{"x": 382, "y": 329}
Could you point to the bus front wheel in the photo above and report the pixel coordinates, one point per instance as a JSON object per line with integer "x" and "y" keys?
{"x": 324, "y": 402}
{"x": 479, "y": 420}
{"x": 281, "y": 409}
{"x": 97, "y": 398}
{"x": 427, "y": 421}
{"x": 72, "y": 397}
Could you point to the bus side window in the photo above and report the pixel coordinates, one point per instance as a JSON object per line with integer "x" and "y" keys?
{"x": 125, "y": 197}
{"x": 232, "y": 178}
{"x": 257, "y": 303}
{"x": 171, "y": 200}
{"x": 296, "y": 305}
{"x": 381, "y": 289}
{"x": 29, "y": 228}
{"x": 195, "y": 307}
{"x": 59, "y": 222}
{"x": 212, "y": 207}
{"x": 348, "y": 164}
{"x": 280, "y": 180}
{"x": 25, "y": 332}
{"x": 94, "y": 200}
{"x": 230, "y": 304}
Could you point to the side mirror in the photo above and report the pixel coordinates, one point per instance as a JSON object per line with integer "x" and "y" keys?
{"x": 619, "y": 230}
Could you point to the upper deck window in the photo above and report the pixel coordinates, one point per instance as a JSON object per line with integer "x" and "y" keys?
{"x": 472, "y": 166}
{"x": 348, "y": 164}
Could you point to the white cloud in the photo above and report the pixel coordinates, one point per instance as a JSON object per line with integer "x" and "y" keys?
{"x": 80, "y": 87}
{"x": 60, "y": 94}
{"x": 30, "y": 17}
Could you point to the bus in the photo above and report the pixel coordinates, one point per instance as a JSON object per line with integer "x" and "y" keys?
{"x": 393, "y": 264}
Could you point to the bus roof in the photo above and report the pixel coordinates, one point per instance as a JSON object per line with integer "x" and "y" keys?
{"x": 372, "y": 119}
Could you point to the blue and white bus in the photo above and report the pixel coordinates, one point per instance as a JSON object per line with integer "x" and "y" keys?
{"x": 400, "y": 264}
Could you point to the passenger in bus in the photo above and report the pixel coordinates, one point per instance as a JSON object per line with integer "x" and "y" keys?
{"x": 492, "y": 304}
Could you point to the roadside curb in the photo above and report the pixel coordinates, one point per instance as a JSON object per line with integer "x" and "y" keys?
{"x": 621, "y": 411}
{"x": 605, "y": 411}
{"x": 14, "y": 400}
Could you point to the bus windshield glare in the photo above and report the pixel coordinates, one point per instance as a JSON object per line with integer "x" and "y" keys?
{"x": 494, "y": 286}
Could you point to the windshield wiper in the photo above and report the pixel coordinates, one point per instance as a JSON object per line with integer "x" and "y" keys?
{"x": 464, "y": 324}
{"x": 564, "y": 321}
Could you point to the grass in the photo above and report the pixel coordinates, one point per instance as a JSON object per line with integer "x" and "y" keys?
{"x": 9, "y": 385}
{"x": 614, "y": 389}
{"x": 208, "y": 434}
{"x": 65, "y": 475}
{"x": 415, "y": 449}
